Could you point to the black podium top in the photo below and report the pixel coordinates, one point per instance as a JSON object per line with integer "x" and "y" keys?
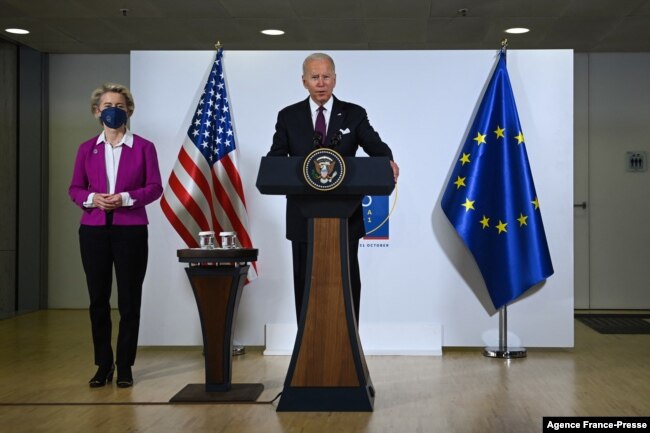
{"x": 365, "y": 176}
{"x": 217, "y": 255}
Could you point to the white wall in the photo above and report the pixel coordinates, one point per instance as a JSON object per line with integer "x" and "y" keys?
{"x": 72, "y": 77}
{"x": 421, "y": 103}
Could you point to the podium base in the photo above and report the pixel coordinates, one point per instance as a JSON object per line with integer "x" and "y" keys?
{"x": 334, "y": 399}
{"x": 504, "y": 352}
{"x": 239, "y": 392}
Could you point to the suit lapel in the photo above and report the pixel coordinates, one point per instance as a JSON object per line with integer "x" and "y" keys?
{"x": 336, "y": 120}
{"x": 305, "y": 116}
{"x": 125, "y": 158}
{"x": 99, "y": 166}
{"x": 305, "y": 128}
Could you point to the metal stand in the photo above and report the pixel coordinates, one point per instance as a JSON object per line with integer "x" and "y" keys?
{"x": 503, "y": 351}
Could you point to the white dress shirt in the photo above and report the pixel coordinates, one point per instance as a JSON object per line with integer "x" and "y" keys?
{"x": 327, "y": 112}
{"x": 112, "y": 156}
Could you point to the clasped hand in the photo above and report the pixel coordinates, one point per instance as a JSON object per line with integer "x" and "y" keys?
{"x": 107, "y": 202}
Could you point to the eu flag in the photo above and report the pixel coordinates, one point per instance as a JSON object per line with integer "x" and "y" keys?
{"x": 491, "y": 199}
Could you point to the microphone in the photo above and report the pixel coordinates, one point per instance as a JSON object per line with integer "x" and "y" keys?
{"x": 336, "y": 140}
{"x": 317, "y": 139}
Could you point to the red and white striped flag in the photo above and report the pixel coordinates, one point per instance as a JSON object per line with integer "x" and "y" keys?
{"x": 205, "y": 191}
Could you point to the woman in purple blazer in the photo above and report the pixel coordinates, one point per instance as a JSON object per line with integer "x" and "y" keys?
{"x": 115, "y": 176}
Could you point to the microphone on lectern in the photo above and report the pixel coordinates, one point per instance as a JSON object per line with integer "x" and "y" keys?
{"x": 317, "y": 140}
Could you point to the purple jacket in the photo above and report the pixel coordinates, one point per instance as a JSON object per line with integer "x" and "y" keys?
{"x": 138, "y": 174}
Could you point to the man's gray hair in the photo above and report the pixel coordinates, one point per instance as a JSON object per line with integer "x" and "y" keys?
{"x": 317, "y": 56}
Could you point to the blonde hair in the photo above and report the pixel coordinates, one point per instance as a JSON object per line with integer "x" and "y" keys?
{"x": 111, "y": 87}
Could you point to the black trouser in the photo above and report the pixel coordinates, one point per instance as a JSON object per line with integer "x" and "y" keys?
{"x": 126, "y": 248}
{"x": 300, "y": 250}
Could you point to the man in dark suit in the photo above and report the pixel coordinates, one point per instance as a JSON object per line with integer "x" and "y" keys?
{"x": 322, "y": 119}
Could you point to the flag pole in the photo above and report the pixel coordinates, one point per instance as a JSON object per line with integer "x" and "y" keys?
{"x": 503, "y": 351}
{"x": 237, "y": 349}
{"x": 504, "y": 45}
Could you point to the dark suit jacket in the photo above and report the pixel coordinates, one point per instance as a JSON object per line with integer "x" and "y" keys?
{"x": 294, "y": 132}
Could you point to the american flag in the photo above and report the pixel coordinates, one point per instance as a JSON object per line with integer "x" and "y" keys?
{"x": 205, "y": 190}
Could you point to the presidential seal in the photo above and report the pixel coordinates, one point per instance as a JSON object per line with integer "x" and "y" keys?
{"x": 324, "y": 169}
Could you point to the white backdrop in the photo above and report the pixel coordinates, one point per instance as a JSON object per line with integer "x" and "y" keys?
{"x": 424, "y": 281}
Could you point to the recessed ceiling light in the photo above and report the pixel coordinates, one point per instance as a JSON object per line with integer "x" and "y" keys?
{"x": 517, "y": 30}
{"x": 273, "y": 32}
{"x": 17, "y": 31}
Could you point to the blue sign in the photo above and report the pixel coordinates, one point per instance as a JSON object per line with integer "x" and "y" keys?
{"x": 376, "y": 216}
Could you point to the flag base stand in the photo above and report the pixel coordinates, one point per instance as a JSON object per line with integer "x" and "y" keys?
{"x": 503, "y": 351}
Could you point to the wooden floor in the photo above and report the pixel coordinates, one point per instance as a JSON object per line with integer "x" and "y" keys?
{"x": 45, "y": 363}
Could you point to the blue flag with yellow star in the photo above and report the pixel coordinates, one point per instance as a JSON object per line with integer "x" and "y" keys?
{"x": 491, "y": 200}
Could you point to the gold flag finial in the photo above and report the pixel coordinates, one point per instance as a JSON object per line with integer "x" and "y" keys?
{"x": 218, "y": 45}
{"x": 504, "y": 45}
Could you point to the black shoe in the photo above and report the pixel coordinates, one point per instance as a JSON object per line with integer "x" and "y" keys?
{"x": 124, "y": 377}
{"x": 103, "y": 376}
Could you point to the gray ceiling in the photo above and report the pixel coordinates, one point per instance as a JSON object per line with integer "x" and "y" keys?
{"x": 98, "y": 26}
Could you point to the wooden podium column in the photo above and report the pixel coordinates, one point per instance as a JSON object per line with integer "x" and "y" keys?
{"x": 328, "y": 370}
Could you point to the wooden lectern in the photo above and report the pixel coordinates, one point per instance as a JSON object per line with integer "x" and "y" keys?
{"x": 217, "y": 277}
{"x": 328, "y": 370}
